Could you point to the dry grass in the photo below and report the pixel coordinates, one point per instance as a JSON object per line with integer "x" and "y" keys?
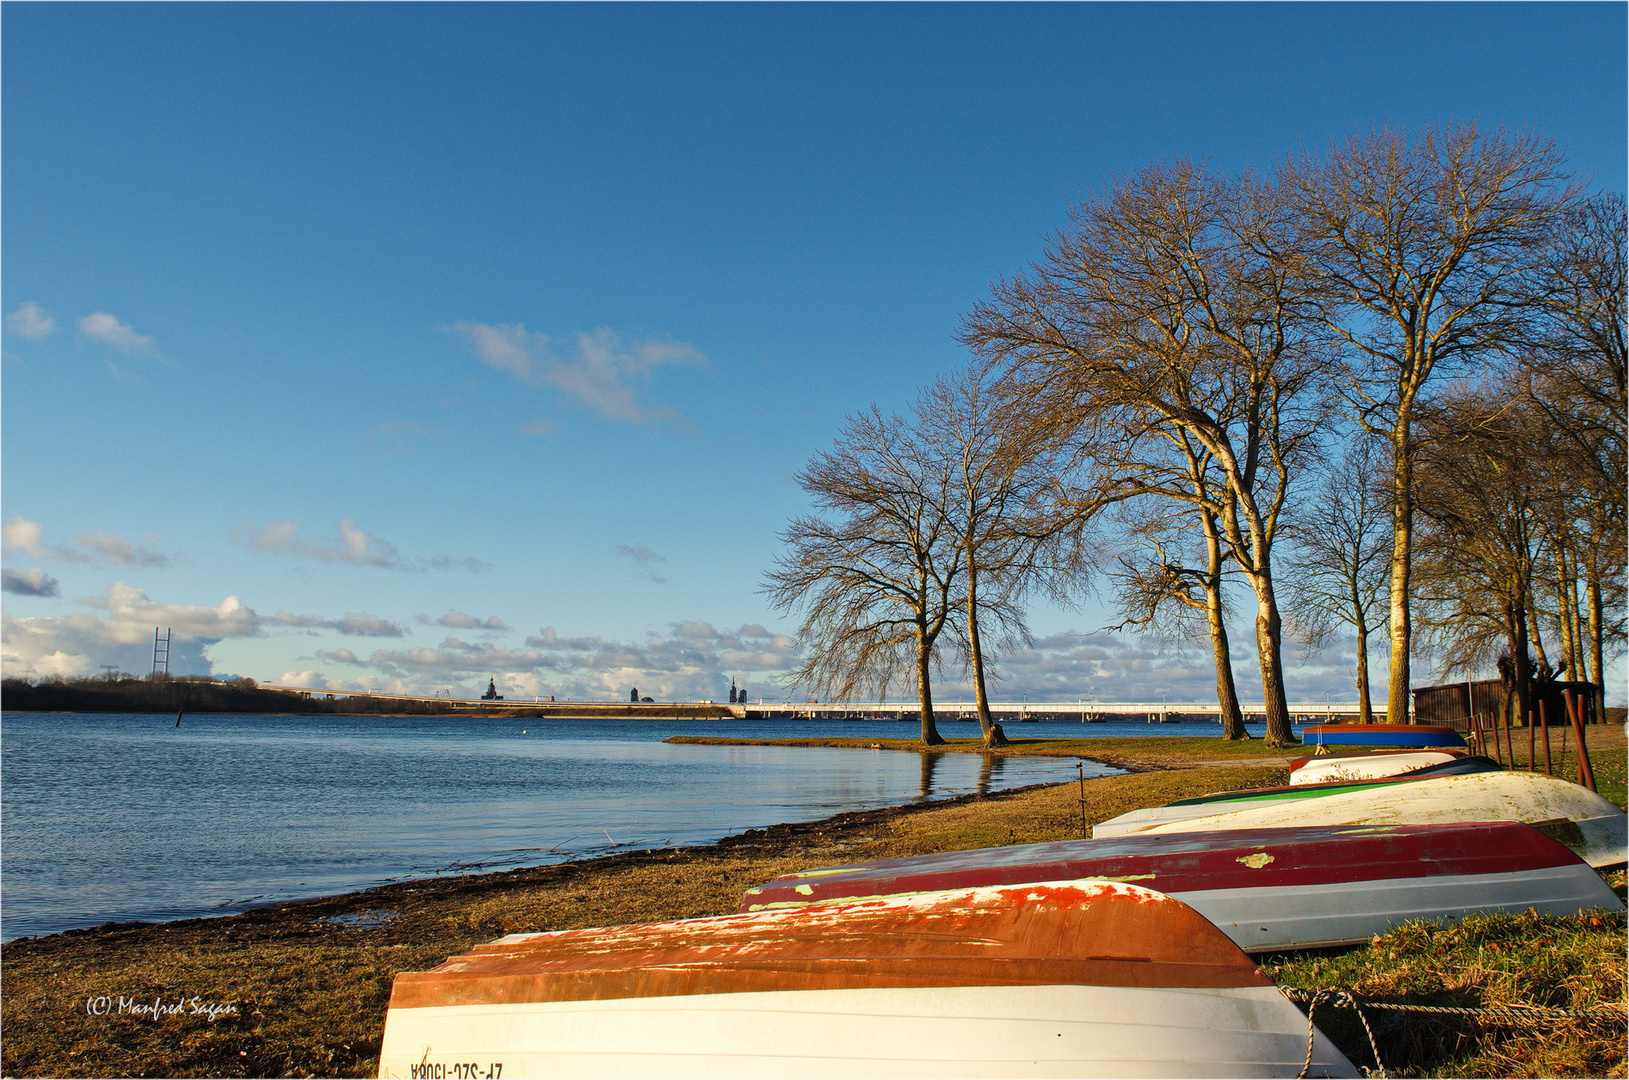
{"x": 1606, "y": 756}
{"x": 1573, "y": 962}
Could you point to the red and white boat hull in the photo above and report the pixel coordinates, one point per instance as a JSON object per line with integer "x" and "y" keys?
{"x": 1347, "y": 913}
{"x": 1041, "y": 979}
{"x": 1267, "y": 889}
{"x": 1595, "y": 829}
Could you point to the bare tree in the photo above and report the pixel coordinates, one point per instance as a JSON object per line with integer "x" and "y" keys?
{"x": 1424, "y": 249}
{"x": 1173, "y": 304}
{"x": 1480, "y": 497}
{"x": 876, "y": 576}
{"x": 999, "y": 500}
{"x": 1168, "y": 582}
{"x": 1339, "y": 567}
{"x": 1576, "y": 362}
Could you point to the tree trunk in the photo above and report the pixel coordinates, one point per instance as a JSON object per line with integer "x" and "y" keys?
{"x": 1530, "y": 625}
{"x": 924, "y": 688}
{"x": 1280, "y": 732}
{"x": 1566, "y": 596}
{"x": 993, "y": 734}
{"x": 1522, "y": 697}
{"x": 1596, "y": 632}
{"x": 1402, "y": 517}
{"x": 1365, "y": 705}
{"x": 1227, "y": 694}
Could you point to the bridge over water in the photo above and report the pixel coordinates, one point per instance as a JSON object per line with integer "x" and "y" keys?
{"x": 1007, "y": 712}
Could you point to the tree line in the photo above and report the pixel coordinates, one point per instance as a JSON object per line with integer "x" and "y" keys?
{"x": 1380, "y": 387}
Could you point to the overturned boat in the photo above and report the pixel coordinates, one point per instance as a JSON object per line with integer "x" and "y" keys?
{"x": 1267, "y": 889}
{"x": 1370, "y": 765}
{"x": 1381, "y": 735}
{"x": 1133, "y": 821}
{"x": 1595, "y": 829}
{"x": 1089, "y": 978}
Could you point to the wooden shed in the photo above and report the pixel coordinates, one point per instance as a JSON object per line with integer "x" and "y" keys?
{"x": 1453, "y": 704}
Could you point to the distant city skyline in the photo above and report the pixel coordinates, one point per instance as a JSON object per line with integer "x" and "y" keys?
{"x": 404, "y": 347}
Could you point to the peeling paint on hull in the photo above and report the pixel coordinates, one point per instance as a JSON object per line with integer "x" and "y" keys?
{"x": 1040, "y": 979}
{"x": 1266, "y": 889}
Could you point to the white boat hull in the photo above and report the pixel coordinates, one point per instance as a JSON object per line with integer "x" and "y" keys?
{"x": 1595, "y": 829}
{"x": 965, "y": 1031}
{"x": 1347, "y": 913}
{"x": 1326, "y": 770}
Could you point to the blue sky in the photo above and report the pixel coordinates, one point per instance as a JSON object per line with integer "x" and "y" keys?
{"x": 400, "y": 346}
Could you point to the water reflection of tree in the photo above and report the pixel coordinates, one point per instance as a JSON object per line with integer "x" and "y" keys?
{"x": 990, "y": 771}
{"x": 930, "y": 763}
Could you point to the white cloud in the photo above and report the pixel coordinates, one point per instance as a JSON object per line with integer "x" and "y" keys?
{"x": 367, "y": 626}
{"x": 31, "y": 582}
{"x": 30, "y": 321}
{"x": 81, "y": 644}
{"x": 646, "y": 559}
{"x": 272, "y": 536}
{"x": 353, "y": 624}
{"x": 459, "y": 621}
{"x": 396, "y": 438}
{"x": 693, "y": 660}
{"x": 107, "y": 329}
{"x": 90, "y": 546}
{"x": 122, "y": 633}
{"x": 507, "y": 347}
{"x": 351, "y": 545}
{"x": 339, "y": 656}
{"x": 21, "y": 534}
{"x": 117, "y": 551}
{"x": 457, "y": 562}
{"x": 605, "y": 375}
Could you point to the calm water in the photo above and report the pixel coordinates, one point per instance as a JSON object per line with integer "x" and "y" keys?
{"x": 120, "y": 817}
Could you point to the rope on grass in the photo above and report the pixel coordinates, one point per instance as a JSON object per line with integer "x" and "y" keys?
{"x": 1334, "y": 997}
{"x": 1507, "y": 1014}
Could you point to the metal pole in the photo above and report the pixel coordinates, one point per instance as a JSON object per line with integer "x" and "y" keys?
{"x": 1080, "y": 768}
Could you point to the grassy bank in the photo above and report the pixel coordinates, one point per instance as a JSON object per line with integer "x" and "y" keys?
{"x": 1163, "y": 752}
{"x": 1606, "y": 744}
{"x": 309, "y": 982}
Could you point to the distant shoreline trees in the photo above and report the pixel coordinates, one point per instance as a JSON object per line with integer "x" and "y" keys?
{"x": 192, "y": 693}
{"x": 1192, "y": 348}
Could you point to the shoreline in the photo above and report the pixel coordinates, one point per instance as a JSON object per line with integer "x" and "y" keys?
{"x": 300, "y": 988}
{"x": 1142, "y": 753}
{"x": 308, "y": 982}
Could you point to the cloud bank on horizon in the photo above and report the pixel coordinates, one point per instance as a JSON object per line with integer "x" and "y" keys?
{"x": 688, "y": 661}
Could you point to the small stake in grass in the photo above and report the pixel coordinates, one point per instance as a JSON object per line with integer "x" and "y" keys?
{"x": 1544, "y": 722}
{"x": 1080, "y": 767}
